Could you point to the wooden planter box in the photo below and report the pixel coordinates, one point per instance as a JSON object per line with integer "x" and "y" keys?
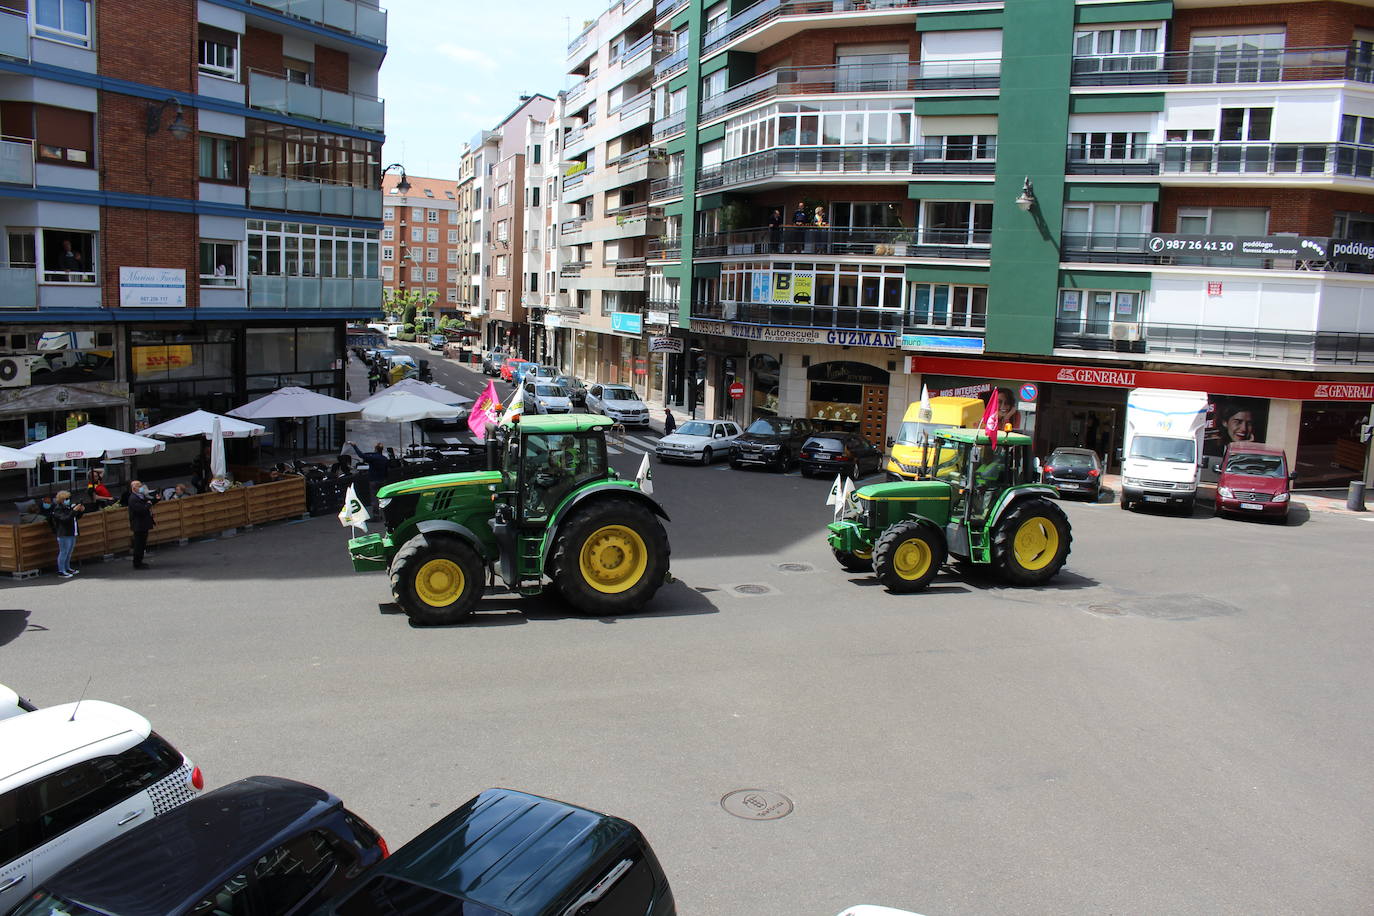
{"x": 33, "y": 546}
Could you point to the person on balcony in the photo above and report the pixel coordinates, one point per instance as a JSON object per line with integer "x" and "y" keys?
{"x": 70, "y": 260}
{"x": 822, "y": 232}
{"x": 801, "y": 218}
{"x": 775, "y": 231}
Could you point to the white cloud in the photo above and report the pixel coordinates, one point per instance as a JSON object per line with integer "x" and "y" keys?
{"x": 467, "y": 55}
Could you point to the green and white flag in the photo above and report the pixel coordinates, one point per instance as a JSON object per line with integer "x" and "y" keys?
{"x": 353, "y": 513}
{"x": 645, "y": 477}
{"x": 836, "y": 494}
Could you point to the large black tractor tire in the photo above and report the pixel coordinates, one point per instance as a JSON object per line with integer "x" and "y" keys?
{"x": 1031, "y": 542}
{"x": 610, "y": 557}
{"x": 437, "y": 580}
{"x": 907, "y": 556}
{"x": 853, "y": 562}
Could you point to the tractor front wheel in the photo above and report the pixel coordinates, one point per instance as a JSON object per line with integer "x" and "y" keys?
{"x": 610, "y": 557}
{"x": 436, "y": 580}
{"x": 1031, "y": 542}
{"x": 907, "y": 556}
{"x": 853, "y": 561}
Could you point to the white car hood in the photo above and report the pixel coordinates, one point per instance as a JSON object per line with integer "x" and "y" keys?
{"x": 681, "y": 441}
{"x": 626, "y": 405}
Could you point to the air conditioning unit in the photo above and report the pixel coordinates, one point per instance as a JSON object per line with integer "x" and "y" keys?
{"x": 14, "y": 372}
{"x": 1122, "y": 330}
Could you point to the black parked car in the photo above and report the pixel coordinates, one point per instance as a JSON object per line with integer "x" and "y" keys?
{"x": 773, "y": 442}
{"x": 262, "y": 845}
{"x": 1073, "y": 472}
{"x": 491, "y": 362}
{"x": 840, "y": 453}
{"x": 505, "y": 853}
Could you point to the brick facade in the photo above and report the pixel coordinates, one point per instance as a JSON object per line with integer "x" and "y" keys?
{"x": 262, "y": 51}
{"x": 1307, "y": 25}
{"x": 817, "y": 48}
{"x": 147, "y": 238}
{"x": 1299, "y": 210}
{"x": 156, "y": 46}
{"x": 131, "y": 161}
{"x": 331, "y": 69}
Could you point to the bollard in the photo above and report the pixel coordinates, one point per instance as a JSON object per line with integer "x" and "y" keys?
{"x": 1354, "y": 501}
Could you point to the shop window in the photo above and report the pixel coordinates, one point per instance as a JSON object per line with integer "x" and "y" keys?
{"x": 219, "y": 159}
{"x": 67, "y": 21}
{"x": 219, "y": 53}
{"x": 68, "y": 256}
{"x": 65, "y": 135}
{"x": 219, "y": 263}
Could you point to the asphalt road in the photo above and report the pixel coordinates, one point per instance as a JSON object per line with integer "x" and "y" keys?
{"x": 1180, "y": 724}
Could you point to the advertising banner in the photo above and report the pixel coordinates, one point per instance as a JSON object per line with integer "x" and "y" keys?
{"x": 627, "y": 322}
{"x": 793, "y": 288}
{"x": 1234, "y": 419}
{"x": 665, "y": 344}
{"x": 154, "y": 360}
{"x": 152, "y": 287}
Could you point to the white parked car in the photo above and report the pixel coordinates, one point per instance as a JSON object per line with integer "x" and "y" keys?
{"x": 73, "y": 777}
{"x": 619, "y": 402}
{"x": 12, "y": 704}
{"x": 699, "y": 440}
{"x": 542, "y": 396}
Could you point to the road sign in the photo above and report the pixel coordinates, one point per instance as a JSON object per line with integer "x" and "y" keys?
{"x": 736, "y": 390}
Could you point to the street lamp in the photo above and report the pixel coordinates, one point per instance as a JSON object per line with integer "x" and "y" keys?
{"x": 1027, "y": 198}
{"x": 402, "y": 186}
{"x": 153, "y": 119}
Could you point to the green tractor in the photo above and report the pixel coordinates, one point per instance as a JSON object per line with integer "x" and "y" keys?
{"x": 554, "y": 510}
{"x": 982, "y": 505}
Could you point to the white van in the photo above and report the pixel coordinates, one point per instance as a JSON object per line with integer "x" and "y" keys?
{"x": 1162, "y": 455}
{"x": 75, "y": 776}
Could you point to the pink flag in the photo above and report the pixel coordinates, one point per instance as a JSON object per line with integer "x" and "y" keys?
{"x": 990, "y": 418}
{"x": 485, "y": 411}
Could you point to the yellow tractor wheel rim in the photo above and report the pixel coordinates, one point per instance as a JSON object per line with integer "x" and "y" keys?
{"x": 1036, "y": 543}
{"x": 439, "y": 582}
{"x": 613, "y": 559}
{"x": 911, "y": 559}
{"x": 864, "y": 554}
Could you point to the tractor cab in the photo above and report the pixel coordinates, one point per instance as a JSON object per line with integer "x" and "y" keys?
{"x": 547, "y": 458}
{"x": 979, "y": 472}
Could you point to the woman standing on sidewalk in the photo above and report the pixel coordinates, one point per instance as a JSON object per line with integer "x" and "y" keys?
{"x": 64, "y": 516}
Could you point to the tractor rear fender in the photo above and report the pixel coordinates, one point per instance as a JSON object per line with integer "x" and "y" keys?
{"x": 597, "y": 491}
{"x": 1012, "y": 497}
{"x": 462, "y": 532}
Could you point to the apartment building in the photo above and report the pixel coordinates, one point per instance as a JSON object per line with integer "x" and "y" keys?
{"x": 605, "y": 220}
{"x": 422, "y": 241}
{"x": 189, "y": 197}
{"x": 1061, "y": 200}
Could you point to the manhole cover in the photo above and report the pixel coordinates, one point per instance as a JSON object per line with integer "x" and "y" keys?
{"x": 1106, "y": 610}
{"x": 757, "y": 804}
{"x": 752, "y": 589}
{"x": 796, "y": 567}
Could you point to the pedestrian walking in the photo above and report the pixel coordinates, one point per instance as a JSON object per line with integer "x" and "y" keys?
{"x": 140, "y": 519}
{"x": 63, "y": 517}
{"x": 669, "y": 422}
{"x": 372, "y": 378}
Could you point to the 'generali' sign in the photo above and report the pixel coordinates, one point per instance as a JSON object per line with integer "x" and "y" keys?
{"x": 1079, "y": 375}
{"x": 1344, "y": 393}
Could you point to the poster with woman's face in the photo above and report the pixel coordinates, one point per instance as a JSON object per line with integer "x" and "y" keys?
{"x": 1233, "y": 419}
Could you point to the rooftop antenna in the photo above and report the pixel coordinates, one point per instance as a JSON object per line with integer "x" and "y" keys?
{"x": 80, "y": 698}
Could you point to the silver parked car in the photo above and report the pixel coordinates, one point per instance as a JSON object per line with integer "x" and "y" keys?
{"x": 699, "y": 440}
{"x": 542, "y": 396}
{"x": 619, "y": 402}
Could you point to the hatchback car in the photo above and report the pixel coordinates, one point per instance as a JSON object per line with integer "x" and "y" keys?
{"x": 619, "y": 402}
{"x": 701, "y": 441}
{"x": 544, "y": 397}
{"x": 1073, "y": 472}
{"x": 261, "y": 845}
{"x": 491, "y": 362}
{"x": 1253, "y": 480}
{"x": 12, "y": 704}
{"x": 509, "y": 367}
{"x": 75, "y": 776}
{"x": 840, "y": 453}
{"x": 772, "y": 442}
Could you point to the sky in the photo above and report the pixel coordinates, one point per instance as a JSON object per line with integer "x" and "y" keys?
{"x": 454, "y": 67}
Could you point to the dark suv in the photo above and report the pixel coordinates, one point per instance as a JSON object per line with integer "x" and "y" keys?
{"x": 774, "y": 442}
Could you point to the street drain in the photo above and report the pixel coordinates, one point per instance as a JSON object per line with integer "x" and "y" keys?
{"x": 757, "y": 804}
{"x": 753, "y": 589}
{"x": 796, "y": 567}
{"x": 1105, "y": 610}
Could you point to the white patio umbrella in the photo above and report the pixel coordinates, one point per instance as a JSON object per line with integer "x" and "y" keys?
{"x": 426, "y": 390}
{"x": 11, "y": 458}
{"x": 218, "y": 466}
{"x": 92, "y": 441}
{"x": 403, "y": 407}
{"x": 202, "y": 423}
{"x": 287, "y": 403}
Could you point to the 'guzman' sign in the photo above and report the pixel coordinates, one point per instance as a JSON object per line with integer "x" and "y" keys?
{"x": 771, "y": 334}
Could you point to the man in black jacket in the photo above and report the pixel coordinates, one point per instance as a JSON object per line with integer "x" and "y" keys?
{"x": 140, "y": 519}
{"x": 378, "y": 469}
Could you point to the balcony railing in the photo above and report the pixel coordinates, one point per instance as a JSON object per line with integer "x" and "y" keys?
{"x": 665, "y": 249}
{"x": 631, "y": 212}
{"x": 661, "y": 188}
{"x": 672, "y": 63}
{"x": 627, "y": 267}
{"x": 668, "y": 7}
{"x": 581, "y": 39}
{"x": 572, "y": 268}
{"x": 857, "y": 161}
{"x": 365, "y": 20}
{"x": 634, "y": 105}
{"x": 14, "y": 35}
{"x": 569, "y": 226}
{"x": 832, "y": 241}
{"x": 1345, "y": 160}
{"x": 1132, "y": 248}
{"x": 858, "y": 78}
{"x": 644, "y": 43}
{"x": 313, "y": 293}
{"x": 765, "y": 11}
{"x": 18, "y": 287}
{"x": 1222, "y": 67}
{"x": 16, "y": 161}
{"x": 581, "y": 87}
{"x": 575, "y": 179}
{"x": 274, "y": 93}
{"x": 670, "y": 125}
{"x": 635, "y": 157}
{"x": 1324, "y": 348}
{"x": 272, "y": 193}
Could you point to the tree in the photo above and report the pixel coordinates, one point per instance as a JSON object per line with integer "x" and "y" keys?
{"x": 409, "y": 306}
